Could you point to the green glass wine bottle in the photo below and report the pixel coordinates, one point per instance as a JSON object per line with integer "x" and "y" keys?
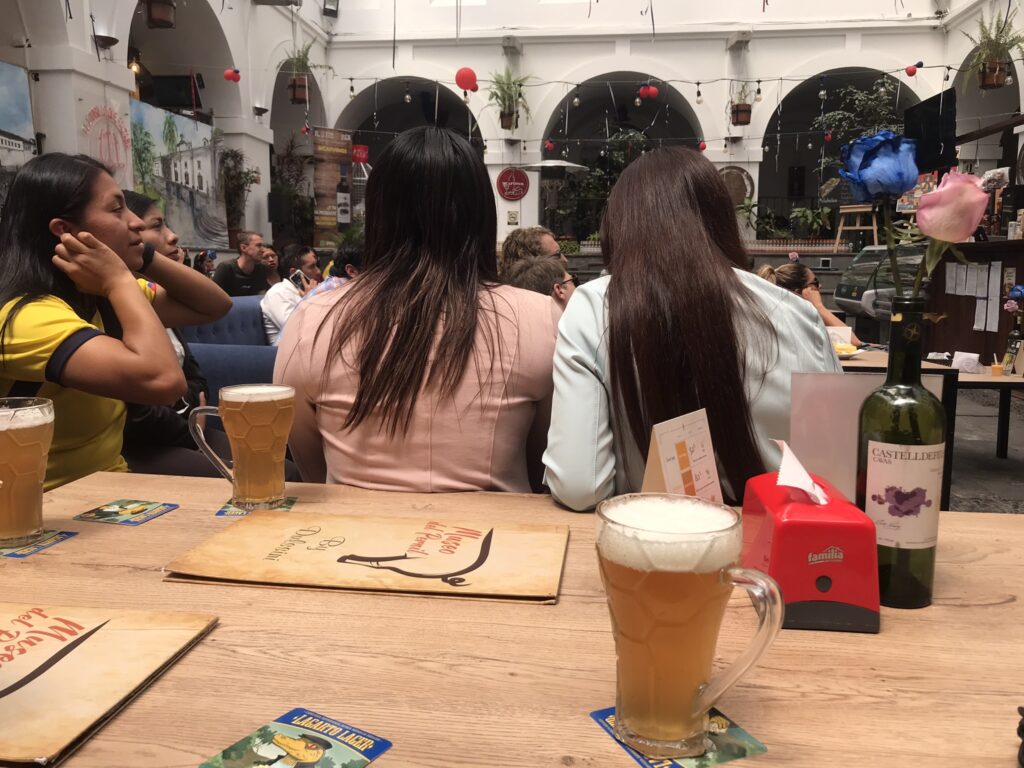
{"x": 900, "y": 463}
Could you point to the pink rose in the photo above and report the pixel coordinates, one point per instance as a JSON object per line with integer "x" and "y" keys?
{"x": 953, "y": 211}
{"x": 1011, "y": 306}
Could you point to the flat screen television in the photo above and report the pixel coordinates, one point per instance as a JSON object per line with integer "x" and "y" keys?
{"x": 933, "y": 124}
{"x": 176, "y": 92}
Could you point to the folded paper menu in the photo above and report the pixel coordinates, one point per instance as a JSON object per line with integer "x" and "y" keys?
{"x": 417, "y": 554}
{"x": 65, "y": 671}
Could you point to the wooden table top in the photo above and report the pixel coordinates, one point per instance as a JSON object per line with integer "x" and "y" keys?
{"x": 877, "y": 359}
{"x": 471, "y": 683}
{"x": 988, "y": 381}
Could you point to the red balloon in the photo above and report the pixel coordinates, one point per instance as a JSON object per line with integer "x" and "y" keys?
{"x": 304, "y": 129}
{"x": 828, "y": 135}
{"x": 549, "y": 145}
{"x": 236, "y": 76}
{"x": 465, "y": 78}
{"x": 911, "y": 70}
{"x": 652, "y": 91}
{"x": 645, "y": 91}
{"x": 702, "y": 146}
{"x": 229, "y": 74}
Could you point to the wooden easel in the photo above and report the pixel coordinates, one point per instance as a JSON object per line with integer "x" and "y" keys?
{"x": 855, "y": 211}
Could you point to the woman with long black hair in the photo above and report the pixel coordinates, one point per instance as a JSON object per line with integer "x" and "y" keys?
{"x": 76, "y": 326}
{"x": 425, "y": 374}
{"x": 678, "y": 325}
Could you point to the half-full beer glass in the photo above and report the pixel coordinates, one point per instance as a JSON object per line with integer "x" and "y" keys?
{"x": 26, "y": 430}
{"x": 257, "y": 419}
{"x": 669, "y": 566}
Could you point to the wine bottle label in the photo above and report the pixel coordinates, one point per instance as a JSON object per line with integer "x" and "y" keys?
{"x": 904, "y": 486}
{"x": 344, "y": 208}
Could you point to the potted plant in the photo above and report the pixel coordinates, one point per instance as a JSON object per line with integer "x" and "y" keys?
{"x": 298, "y": 65}
{"x": 740, "y": 107}
{"x": 994, "y": 47}
{"x": 506, "y": 91}
{"x": 235, "y": 180}
{"x": 808, "y": 222}
{"x": 592, "y": 245}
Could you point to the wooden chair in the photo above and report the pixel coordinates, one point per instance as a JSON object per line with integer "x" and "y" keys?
{"x": 848, "y": 213}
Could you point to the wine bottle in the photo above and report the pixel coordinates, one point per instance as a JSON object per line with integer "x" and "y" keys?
{"x": 344, "y": 200}
{"x": 1013, "y": 342}
{"x": 900, "y": 464}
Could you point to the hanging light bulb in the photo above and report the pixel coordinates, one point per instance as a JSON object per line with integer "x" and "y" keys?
{"x": 700, "y": 98}
{"x": 576, "y": 97}
{"x": 945, "y": 78}
{"x": 766, "y": 149}
{"x": 351, "y": 89}
{"x": 565, "y": 153}
{"x": 757, "y": 93}
{"x": 465, "y": 96}
{"x": 1009, "y": 79}
{"x": 637, "y": 101}
{"x": 408, "y": 96}
{"x": 822, "y": 94}
{"x": 810, "y": 145}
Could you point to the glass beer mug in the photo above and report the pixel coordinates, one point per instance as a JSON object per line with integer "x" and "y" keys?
{"x": 668, "y": 564}
{"x": 257, "y": 420}
{"x": 26, "y": 431}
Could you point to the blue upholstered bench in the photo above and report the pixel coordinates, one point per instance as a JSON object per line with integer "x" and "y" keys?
{"x": 234, "y": 349}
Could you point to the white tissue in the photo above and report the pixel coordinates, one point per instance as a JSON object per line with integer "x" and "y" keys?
{"x": 967, "y": 362}
{"x": 793, "y": 475}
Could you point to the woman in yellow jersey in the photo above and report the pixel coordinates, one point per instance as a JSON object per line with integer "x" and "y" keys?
{"x": 76, "y": 326}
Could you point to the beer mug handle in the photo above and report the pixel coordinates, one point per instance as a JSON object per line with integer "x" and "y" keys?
{"x": 200, "y": 438}
{"x": 767, "y": 600}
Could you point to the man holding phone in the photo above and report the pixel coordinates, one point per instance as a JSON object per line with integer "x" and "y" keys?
{"x": 299, "y": 263}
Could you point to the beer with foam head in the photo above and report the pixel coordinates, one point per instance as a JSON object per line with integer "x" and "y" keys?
{"x": 668, "y": 567}
{"x": 26, "y": 430}
{"x": 257, "y": 419}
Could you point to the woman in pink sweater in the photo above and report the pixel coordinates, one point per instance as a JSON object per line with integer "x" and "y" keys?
{"x": 425, "y": 374}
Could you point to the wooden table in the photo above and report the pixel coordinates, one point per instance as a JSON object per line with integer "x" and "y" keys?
{"x": 877, "y": 361}
{"x": 472, "y": 683}
{"x": 1004, "y": 385}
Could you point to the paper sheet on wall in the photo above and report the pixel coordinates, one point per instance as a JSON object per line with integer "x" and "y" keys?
{"x": 951, "y": 278}
{"x": 981, "y": 289}
{"x": 995, "y": 272}
{"x": 681, "y": 458}
{"x": 980, "y": 314}
{"x": 961, "y": 279}
{"x": 971, "y": 288}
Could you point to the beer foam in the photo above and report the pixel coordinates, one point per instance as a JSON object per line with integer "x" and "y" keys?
{"x": 16, "y": 418}
{"x": 248, "y": 393}
{"x": 656, "y": 533}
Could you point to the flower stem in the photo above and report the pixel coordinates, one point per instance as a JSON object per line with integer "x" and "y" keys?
{"x": 890, "y": 245}
{"x": 920, "y": 276}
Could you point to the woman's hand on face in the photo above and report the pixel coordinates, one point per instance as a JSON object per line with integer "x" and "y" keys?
{"x": 812, "y": 294}
{"x": 92, "y": 266}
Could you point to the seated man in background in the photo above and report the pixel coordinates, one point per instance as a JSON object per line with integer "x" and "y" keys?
{"x": 528, "y": 241}
{"x": 246, "y": 275}
{"x": 345, "y": 266}
{"x": 543, "y": 274}
{"x": 299, "y": 264}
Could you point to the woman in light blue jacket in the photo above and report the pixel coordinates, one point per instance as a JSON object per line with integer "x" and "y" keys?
{"x": 678, "y": 325}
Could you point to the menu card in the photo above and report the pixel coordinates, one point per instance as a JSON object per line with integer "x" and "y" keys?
{"x": 428, "y": 554}
{"x": 65, "y": 671}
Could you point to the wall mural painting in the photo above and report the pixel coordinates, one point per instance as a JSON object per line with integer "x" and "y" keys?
{"x": 17, "y": 136}
{"x": 176, "y": 161}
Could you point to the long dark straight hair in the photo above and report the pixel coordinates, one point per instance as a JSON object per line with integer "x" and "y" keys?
{"x": 670, "y": 240}
{"x": 431, "y": 229}
{"x": 52, "y": 186}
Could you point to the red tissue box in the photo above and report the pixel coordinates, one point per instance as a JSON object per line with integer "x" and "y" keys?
{"x": 824, "y": 557}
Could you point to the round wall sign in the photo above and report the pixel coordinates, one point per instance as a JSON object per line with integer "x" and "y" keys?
{"x": 513, "y": 184}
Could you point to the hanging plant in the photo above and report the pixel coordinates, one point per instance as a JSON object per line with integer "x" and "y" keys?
{"x": 297, "y": 63}
{"x": 506, "y": 91}
{"x": 160, "y": 14}
{"x": 994, "y": 47}
{"x": 740, "y": 108}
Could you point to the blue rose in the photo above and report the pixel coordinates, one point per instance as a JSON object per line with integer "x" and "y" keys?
{"x": 879, "y": 165}
{"x": 1017, "y": 293}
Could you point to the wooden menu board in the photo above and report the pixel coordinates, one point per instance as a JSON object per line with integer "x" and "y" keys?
{"x": 65, "y": 671}
{"x": 418, "y": 555}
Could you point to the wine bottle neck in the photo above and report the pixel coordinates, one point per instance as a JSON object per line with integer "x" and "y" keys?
{"x": 905, "y": 348}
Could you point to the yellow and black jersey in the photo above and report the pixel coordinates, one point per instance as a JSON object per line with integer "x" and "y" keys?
{"x": 39, "y": 341}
